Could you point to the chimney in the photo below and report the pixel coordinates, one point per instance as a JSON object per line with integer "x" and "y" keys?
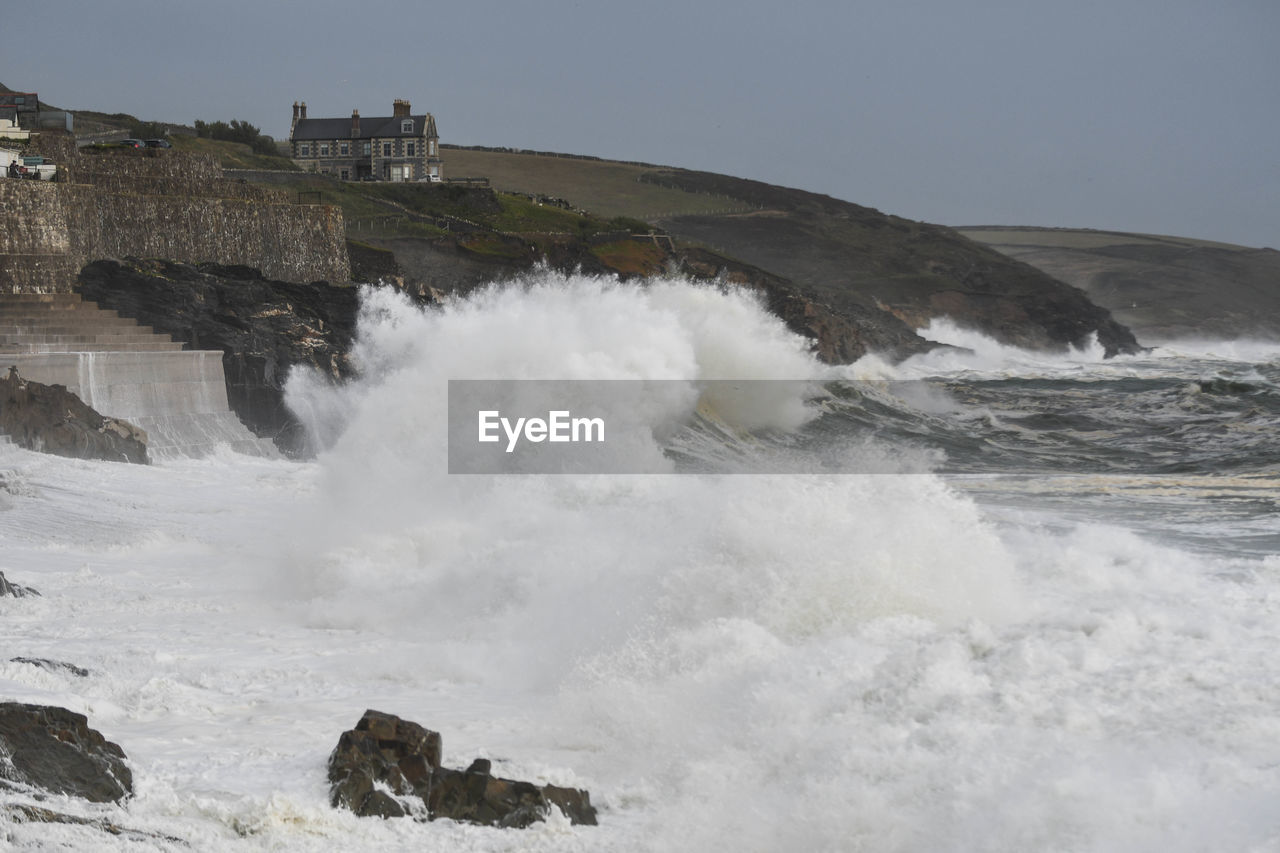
{"x": 400, "y": 108}
{"x": 303, "y": 107}
{"x": 355, "y": 124}
{"x": 294, "y": 126}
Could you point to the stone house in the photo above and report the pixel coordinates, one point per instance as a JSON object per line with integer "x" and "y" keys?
{"x": 398, "y": 147}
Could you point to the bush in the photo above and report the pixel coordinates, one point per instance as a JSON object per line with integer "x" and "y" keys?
{"x": 238, "y": 131}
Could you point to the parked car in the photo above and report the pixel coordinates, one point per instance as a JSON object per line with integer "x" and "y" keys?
{"x": 157, "y": 143}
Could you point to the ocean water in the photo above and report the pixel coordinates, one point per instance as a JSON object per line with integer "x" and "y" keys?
{"x": 1040, "y": 614}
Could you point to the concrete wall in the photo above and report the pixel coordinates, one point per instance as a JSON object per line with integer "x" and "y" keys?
{"x": 173, "y": 206}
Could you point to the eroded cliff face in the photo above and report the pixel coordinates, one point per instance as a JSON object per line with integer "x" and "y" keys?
{"x": 263, "y": 327}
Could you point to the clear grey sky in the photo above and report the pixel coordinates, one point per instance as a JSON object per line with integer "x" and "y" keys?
{"x": 1137, "y": 115}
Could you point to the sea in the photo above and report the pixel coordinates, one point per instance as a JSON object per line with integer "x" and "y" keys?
{"x": 983, "y": 599}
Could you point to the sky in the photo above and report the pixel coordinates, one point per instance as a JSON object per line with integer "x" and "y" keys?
{"x": 1154, "y": 116}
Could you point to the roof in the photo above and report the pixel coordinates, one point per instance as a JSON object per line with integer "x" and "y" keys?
{"x": 370, "y": 127}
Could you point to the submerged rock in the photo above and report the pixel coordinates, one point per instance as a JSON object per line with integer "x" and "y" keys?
{"x": 389, "y": 767}
{"x": 23, "y": 813}
{"x": 52, "y": 748}
{"x": 12, "y": 589}
{"x": 53, "y": 665}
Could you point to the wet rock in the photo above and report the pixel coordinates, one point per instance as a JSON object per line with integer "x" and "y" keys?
{"x": 381, "y": 752}
{"x": 13, "y": 589}
{"x": 50, "y": 419}
{"x": 53, "y": 748}
{"x": 24, "y": 813}
{"x": 389, "y": 767}
{"x": 53, "y": 666}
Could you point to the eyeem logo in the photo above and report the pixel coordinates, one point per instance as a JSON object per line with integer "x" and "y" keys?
{"x": 559, "y": 426}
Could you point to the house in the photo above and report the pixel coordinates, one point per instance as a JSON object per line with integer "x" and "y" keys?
{"x": 398, "y": 147}
{"x": 23, "y": 110}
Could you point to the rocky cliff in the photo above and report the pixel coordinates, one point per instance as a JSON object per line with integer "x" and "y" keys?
{"x": 859, "y": 260}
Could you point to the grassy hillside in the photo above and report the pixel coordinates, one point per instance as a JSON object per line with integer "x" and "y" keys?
{"x": 1162, "y": 287}
{"x": 606, "y": 188}
{"x": 232, "y": 155}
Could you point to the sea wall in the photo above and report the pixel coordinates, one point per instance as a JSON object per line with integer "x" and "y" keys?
{"x": 35, "y": 243}
{"x": 158, "y": 204}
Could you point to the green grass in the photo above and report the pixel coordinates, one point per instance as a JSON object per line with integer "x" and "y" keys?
{"x": 232, "y": 155}
{"x": 606, "y": 189}
{"x": 367, "y": 207}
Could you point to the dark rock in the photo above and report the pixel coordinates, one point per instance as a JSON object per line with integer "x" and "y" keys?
{"x": 386, "y": 766}
{"x": 263, "y": 328}
{"x": 381, "y": 748}
{"x": 14, "y": 590}
{"x": 371, "y": 264}
{"x": 53, "y": 665}
{"x": 51, "y": 419}
{"x": 53, "y": 748}
{"x": 24, "y": 813}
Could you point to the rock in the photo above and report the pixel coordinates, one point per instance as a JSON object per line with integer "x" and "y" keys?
{"x": 381, "y": 749}
{"x": 13, "y": 589}
{"x": 53, "y": 665}
{"x": 53, "y": 748}
{"x": 389, "y": 767}
{"x": 51, "y": 419}
{"x": 23, "y": 813}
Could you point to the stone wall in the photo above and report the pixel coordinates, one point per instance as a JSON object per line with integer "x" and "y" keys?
{"x": 287, "y": 242}
{"x": 35, "y": 243}
{"x": 158, "y": 204}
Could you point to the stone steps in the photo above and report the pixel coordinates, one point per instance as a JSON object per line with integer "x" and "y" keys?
{"x": 7, "y": 348}
{"x": 63, "y": 322}
{"x": 109, "y": 327}
{"x": 41, "y": 337}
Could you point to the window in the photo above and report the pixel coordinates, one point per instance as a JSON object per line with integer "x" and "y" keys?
{"x": 324, "y": 149}
{"x": 344, "y": 149}
{"x": 408, "y": 149}
{"x": 368, "y": 148}
{"x": 431, "y": 148}
{"x": 304, "y": 150}
{"x": 346, "y": 173}
{"x": 406, "y": 126}
{"x": 386, "y": 149}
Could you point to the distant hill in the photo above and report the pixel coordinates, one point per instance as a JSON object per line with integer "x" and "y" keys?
{"x": 857, "y": 260}
{"x": 1161, "y": 287}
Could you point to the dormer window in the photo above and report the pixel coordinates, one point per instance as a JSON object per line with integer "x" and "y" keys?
{"x": 406, "y": 126}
